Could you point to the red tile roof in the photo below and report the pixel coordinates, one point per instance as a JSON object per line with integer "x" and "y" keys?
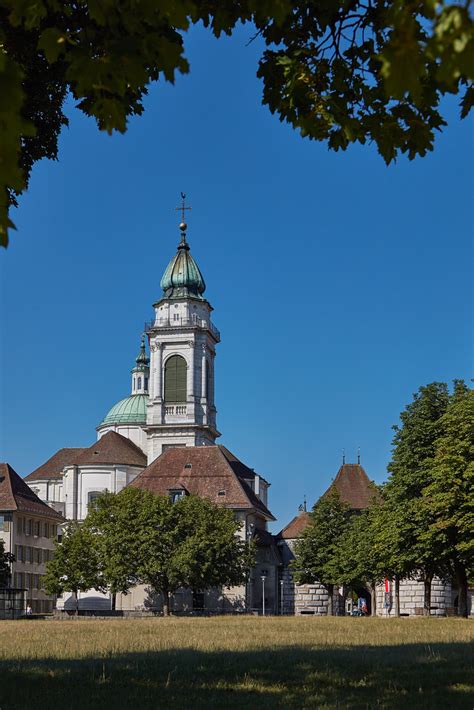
{"x": 112, "y": 448}
{"x": 295, "y": 527}
{"x": 53, "y": 467}
{"x": 353, "y": 485}
{"x": 15, "y": 494}
{"x": 211, "y": 472}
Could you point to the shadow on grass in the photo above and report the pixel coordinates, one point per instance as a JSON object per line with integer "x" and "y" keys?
{"x": 406, "y": 676}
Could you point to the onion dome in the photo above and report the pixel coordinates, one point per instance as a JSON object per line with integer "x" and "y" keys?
{"x": 182, "y": 278}
{"x": 131, "y": 410}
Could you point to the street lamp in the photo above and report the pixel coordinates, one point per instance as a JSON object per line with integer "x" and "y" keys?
{"x": 263, "y": 577}
{"x": 281, "y": 596}
{"x": 249, "y": 534}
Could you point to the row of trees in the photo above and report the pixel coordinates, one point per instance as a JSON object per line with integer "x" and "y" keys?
{"x": 136, "y": 537}
{"x": 420, "y": 522}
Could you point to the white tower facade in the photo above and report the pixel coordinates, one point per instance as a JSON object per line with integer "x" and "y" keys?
{"x": 181, "y": 409}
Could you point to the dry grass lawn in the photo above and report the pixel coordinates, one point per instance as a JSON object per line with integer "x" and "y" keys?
{"x": 236, "y": 662}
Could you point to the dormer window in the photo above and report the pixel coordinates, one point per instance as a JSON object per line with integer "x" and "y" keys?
{"x": 221, "y": 493}
{"x": 188, "y": 465}
{"x": 176, "y": 495}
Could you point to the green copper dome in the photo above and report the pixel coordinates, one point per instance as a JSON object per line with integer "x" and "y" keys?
{"x": 182, "y": 278}
{"x": 131, "y": 410}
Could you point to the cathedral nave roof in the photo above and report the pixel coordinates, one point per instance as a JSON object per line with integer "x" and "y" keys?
{"x": 53, "y": 467}
{"x": 207, "y": 471}
{"x": 112, "y": 448}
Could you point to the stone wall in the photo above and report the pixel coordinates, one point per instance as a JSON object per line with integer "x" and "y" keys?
{"x": 412, "y": 598}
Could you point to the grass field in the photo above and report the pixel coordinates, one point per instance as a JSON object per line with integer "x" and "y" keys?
{"x": 233, "y": 662}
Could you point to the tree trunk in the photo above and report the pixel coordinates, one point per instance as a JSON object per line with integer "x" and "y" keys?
{"x": 461, "y": 581}
{"x": 396, "y": 595}
{"x": 344, "y": 598}
{"x": 373, "y": 599}
{"x": 427, "y": 594}
{"x": 330, "y": 589}
{"x": 114, "y": 601}
{"x": 75, "y": 602}
{"x": 166, "y": 603}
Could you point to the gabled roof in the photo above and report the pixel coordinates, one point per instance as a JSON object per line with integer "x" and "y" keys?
{"x": 112, "y": 448}
{"x": 15, "y": 494}
{"x": 211, "y": 472}
{"x": 53, "y": 467}
{"x": 353, "y": 485}
{"x": 295, "y": 527}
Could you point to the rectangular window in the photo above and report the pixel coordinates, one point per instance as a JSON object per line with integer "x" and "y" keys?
{"x": 5, "y": 522}
{"x": 29, "y": 527}
{"x": 37, "y": 528}
{"x": 27, "y": 553}
{"x": 46, "y": 529}
{"x": 19, "y": 525}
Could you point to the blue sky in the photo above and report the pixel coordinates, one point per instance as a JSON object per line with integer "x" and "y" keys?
{"x": 339, "y": 285}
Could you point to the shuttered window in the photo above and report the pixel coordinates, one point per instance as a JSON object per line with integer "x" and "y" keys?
{"x": 175, "y": 379}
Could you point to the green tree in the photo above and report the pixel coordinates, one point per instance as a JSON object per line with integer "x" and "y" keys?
{"x": 371, "y": 550}
{"x": 148, "y": 539}
{"x": 75, "y": 566}
{"x": 340, "y": 72}
{"x": 6, "y": 558}
{"x": 410, "y": 473}
{"x": 317, "y": 551}
{"x": 449, "y": 496}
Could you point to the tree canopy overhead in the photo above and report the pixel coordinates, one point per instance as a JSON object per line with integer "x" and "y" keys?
{"x": 340, "y": 72}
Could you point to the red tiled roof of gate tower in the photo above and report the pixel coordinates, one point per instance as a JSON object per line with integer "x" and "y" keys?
{"x": 354, "y": 487}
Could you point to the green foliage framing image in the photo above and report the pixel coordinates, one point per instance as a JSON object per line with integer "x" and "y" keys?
{"x": 340, "y": 72}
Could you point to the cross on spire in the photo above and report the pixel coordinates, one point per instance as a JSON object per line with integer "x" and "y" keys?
{"x": 183, "y": 208}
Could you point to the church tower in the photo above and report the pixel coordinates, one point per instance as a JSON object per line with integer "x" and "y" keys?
{"x": 181, "y": 410}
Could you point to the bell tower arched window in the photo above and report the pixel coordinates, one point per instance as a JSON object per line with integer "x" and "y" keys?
{"x": 175, "y": 379}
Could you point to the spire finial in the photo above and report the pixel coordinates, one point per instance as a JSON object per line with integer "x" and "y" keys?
{"x": 358, "y": 455}
{"x": 302, "y": 506}
{"x": 183, "y": 226}
{"x": 343, "y": 456}
{"x": 142, "y": 358}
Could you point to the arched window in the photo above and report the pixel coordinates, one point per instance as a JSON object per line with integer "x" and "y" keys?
{"x": 175, "y": 379}
{"x": 139, "y": 383}
{"x": 92, "y": 499}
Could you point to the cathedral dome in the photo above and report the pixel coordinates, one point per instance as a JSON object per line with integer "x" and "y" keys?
{"x": 131, "y": 410}
{"x": 182, "y": 278}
